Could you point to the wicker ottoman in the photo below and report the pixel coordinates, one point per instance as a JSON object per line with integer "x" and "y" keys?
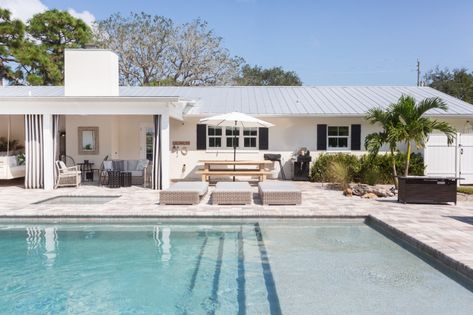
{"x": 183, "y": 193}
{"x": 279, "y": 193}
{"x": 232, "y": 193}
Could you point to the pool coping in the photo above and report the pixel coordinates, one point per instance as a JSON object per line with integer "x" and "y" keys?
{"x": 451, "y": 264}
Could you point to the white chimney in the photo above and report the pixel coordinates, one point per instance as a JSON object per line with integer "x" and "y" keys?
{"x": 90, "y": 72}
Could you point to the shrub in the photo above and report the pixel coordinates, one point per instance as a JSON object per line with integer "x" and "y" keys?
{"x": 339, "y": 173}
{"x": 319, "y": 170}
{"x": 366, "y": 169}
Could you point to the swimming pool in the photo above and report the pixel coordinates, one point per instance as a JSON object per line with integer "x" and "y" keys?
{"x": 218, "y": 267}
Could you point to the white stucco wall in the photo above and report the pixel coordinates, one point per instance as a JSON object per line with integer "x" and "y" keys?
{"x": 119, "y": 136}
{"x": 90, "y": 72}
{"x": 288, "y": 135}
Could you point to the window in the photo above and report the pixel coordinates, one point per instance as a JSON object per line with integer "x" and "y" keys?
{"x": 223, "y": 137}
{"x": 232, "y": 134}
{"x": 214, "y": 137}
{"x": 249, "y": 137}
{"x": 337, "y": 137}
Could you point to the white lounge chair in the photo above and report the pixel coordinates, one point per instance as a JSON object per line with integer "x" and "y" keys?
{"x": 67, "y": 176}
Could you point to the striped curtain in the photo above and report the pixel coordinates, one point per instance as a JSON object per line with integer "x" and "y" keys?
{"x": 55, "y": 144}
{"x": 34, "y": 177}
{"x": 157, "y": 162}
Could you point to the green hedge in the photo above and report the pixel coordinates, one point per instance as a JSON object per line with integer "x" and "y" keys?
{"x": 365, "y": 168}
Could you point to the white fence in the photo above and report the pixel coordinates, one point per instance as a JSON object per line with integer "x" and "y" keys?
{"x": 454, "y": 160}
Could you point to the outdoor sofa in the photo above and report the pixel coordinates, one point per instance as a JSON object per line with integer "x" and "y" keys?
{"x": 183, "y": 193}
{"x": 279, "y": 193}
{"x": 137, "y": 168}
{"x": 232, "y": 193}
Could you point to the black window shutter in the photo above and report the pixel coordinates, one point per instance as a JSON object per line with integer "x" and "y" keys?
{"x": 356, "y": 137}
{"x": 263, "y": 138}
{"x": 201, "y": 137}
{"x": 321, "y": 137}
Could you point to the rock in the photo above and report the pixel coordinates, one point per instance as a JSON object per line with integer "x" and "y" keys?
{"x": 359, "y": 189}
{"x": 379, "y": 191}
{"x": 348, "y": 192}
{"x": 369, "y": 196}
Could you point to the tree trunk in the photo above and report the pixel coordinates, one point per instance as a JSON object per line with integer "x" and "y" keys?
{"x": 408, "y": 159}
{"x": 393, "y": 164}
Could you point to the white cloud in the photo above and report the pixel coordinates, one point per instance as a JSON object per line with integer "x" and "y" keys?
{"x": 86, "y": 16}
{"x": 23, "y": 9}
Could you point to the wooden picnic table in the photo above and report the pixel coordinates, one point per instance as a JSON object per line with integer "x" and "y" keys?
{"x": 260, "y": 168}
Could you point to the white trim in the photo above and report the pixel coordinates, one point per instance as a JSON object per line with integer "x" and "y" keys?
{"x": 48, "y": 159}
{"x": 223, "y": 137}
{"x": 348, "y": 137}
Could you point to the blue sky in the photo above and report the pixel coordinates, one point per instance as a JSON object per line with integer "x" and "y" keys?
{"x": 326, "y": 42}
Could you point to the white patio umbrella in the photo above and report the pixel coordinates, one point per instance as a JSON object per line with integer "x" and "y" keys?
{"x": 235, "y": 119}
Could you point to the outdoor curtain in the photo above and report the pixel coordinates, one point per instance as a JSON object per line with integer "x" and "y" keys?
{"x": 156, "y": 177}
{"x": 34, "y": 177}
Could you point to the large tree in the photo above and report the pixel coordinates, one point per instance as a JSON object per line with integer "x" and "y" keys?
{"x": 33, "y": 54}
{"x": 155, "y": 51}
{"x": 257, "y": 76}
{"x": 12, "y": 33}
{"x": 457, "y": 82}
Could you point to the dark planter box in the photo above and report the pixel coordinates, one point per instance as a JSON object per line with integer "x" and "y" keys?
{"x": 423, "y": 189}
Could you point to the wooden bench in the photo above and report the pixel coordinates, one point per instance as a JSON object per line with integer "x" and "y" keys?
{"x": 207, "y": 173}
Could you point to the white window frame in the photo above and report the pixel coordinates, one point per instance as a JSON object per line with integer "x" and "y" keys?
{"x": 222, "y": 144}
{"x": 241, "y": 140}
{"x": 256, "y": 137}
{"x": 348, "y": 148}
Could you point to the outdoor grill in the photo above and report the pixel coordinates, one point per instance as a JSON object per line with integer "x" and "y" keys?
{"x": 302, "y": 164}
{"x": 276, "y": 158}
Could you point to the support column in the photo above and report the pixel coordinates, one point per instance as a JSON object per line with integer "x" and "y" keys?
{"x": 48, "y": 151}
{"x": 165, "y": 154}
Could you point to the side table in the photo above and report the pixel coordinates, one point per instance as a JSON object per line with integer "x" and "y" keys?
{"x": 114, "y": 179}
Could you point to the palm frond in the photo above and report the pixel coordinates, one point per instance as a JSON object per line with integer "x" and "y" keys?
{"x": 430, "y": 103}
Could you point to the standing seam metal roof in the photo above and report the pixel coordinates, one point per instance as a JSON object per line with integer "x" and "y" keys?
{"x": 274, "y": 100}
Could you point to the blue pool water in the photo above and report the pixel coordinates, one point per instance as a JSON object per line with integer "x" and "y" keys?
{"x": 228, "y": 267}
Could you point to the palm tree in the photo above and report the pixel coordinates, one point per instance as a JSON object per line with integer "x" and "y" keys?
{"x": 374, "y": 141}
{"x": 413, "y": 126}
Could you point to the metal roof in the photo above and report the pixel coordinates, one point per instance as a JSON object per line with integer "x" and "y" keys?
{"x": 274, "y": 101}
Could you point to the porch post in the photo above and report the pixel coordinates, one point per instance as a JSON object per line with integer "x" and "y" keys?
{"x": 48, "y": 145}
{"x": 165, "y": 154}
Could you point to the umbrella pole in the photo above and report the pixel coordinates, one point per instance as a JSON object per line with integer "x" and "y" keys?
{"x": 234, "y": 147}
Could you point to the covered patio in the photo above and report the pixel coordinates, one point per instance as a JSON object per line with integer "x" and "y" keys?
{"x": 75, "y": 129}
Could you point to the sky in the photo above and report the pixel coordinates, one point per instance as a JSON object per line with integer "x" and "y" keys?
{"x": 338, "y": 42}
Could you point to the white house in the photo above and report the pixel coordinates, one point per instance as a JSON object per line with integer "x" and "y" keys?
{"x": 128, "y": 120}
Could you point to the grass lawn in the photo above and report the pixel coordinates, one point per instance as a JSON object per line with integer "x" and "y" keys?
{"x": 465, "y": 190}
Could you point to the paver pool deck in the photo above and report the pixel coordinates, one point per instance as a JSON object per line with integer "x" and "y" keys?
{"x": 435, "y": 229}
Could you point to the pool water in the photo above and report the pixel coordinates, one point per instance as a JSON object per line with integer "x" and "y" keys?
{"x": 218, "y": 267}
